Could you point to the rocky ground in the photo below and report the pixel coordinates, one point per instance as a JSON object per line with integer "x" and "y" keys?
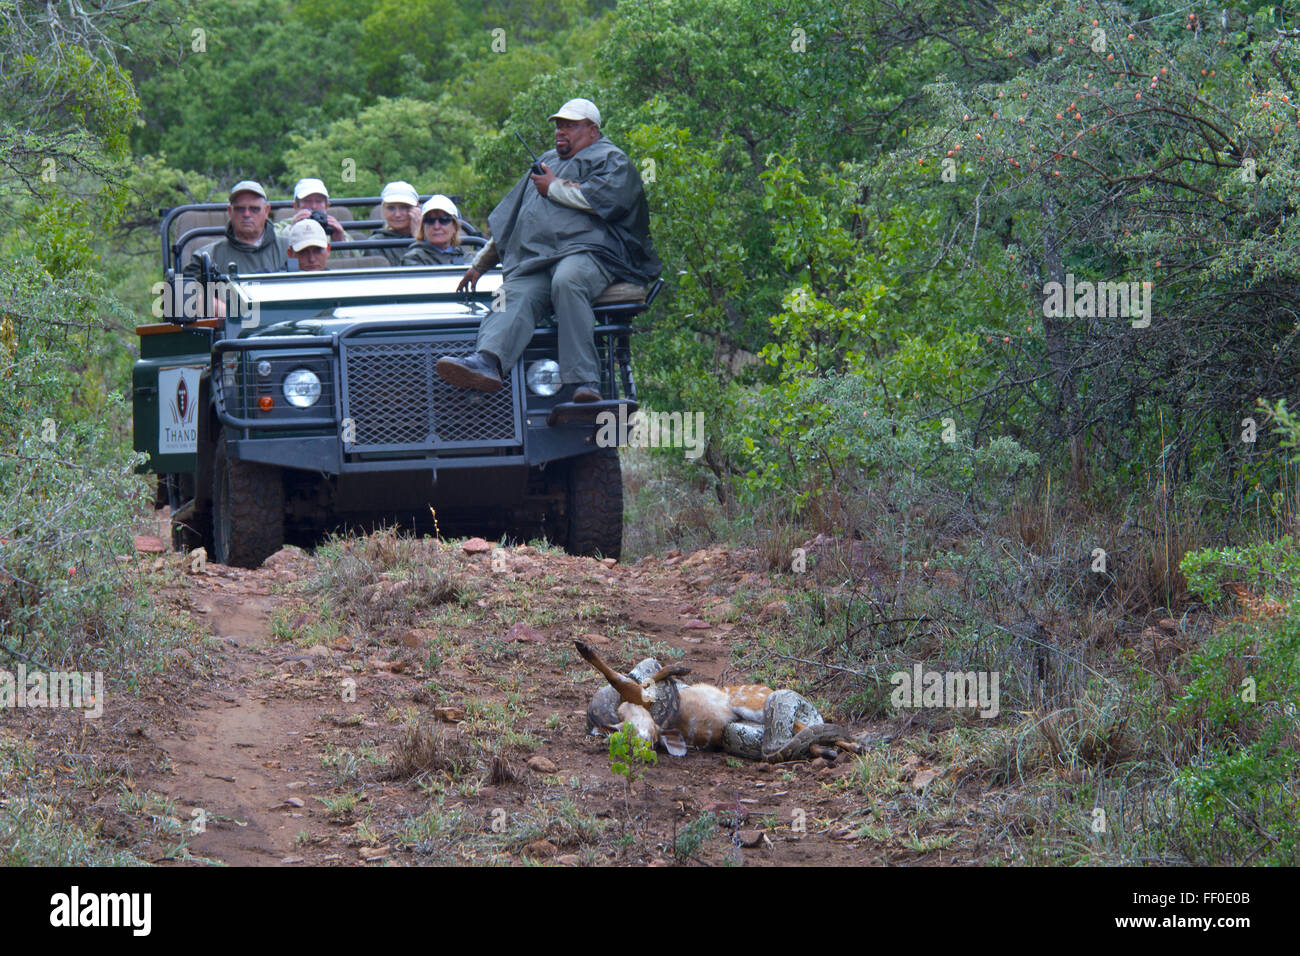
{"x": 397, "y": 701}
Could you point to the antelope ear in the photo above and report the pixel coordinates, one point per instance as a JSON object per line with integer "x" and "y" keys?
{"x": 673, "y": 742}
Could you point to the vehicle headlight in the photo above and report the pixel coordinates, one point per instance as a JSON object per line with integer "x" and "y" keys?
{"x": 302, "y": 388}
{"x": 543, "y": 377}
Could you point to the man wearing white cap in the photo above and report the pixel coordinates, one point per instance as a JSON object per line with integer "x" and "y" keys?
{"x": 309, "y": 245}
{"x": 250, "y": 242}
{"x": 439, "y": 242}
{"x": 562, "y": 236}
{"x": 401, "y": 212}
{"x": 310, "y": 195}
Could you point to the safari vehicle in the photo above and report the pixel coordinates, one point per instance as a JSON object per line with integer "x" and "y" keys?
{"x": 312, "y": 404}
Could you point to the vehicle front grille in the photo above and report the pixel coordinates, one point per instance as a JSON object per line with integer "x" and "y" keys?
{"x": 396, "y": 401}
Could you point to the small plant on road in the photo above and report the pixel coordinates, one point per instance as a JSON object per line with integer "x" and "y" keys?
{"x": 629, "y": 754}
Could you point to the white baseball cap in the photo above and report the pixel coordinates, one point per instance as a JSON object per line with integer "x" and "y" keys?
{"x": 439, "y": 202}
{"x": 402, "y": 192}
{"x": 247, "y": 186}
{"x": 309, "y": 187}
{"x": 578, "y": 109}
{"x": 305, "y": 233}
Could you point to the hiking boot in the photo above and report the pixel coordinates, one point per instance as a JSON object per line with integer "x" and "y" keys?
{"x": 481, "y": 372}
{"x": 587, "y": 392}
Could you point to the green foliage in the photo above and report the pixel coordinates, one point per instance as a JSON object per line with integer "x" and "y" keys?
{"x": 67, "y": 490}
{"x": 1242, "y": 701}
{"x": 1269, "y": 566}
{"x": 426, "y": 144}
{"x": 629, "y": 754}
{"x": 694, "y": 835}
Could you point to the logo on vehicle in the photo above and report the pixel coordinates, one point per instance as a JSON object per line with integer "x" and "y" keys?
{"x": 178, "y": 432}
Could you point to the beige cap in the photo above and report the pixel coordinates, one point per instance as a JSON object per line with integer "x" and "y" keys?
{"x": 439, "y": 202}
{"x": 578, "y": 109}
{"x": 402, "y": 192}
{"x": 305, "y": 233}
{"x": 247, "y": 186}
{"x": 309, "y": 187}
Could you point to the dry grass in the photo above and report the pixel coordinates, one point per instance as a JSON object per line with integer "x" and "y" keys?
{"x": 425, "y": 749}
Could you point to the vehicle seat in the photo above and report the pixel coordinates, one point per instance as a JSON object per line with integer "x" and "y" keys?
{"x": 194, "y": 219}
{"x": 357, "y": 262}
{"x": 622, "y": 293}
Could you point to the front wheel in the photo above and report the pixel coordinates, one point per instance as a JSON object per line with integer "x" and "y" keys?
{"x": 247, "y": 509}
{"x": 594, "y": 506}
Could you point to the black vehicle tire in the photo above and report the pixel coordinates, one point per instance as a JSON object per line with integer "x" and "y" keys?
{"x": 594, "y": 506}
{"x": 247, "y": 510}
{"x": 196, "y": 532}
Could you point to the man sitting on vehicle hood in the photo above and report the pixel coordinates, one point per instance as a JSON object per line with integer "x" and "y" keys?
{"x": 250, "y": 241}
{"x": 561, "y": 235}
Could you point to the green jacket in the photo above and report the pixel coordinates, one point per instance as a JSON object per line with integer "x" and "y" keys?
{"x": 267, "y": 255}
{"x": 423, "y": 253}
{"x": 533, "y": 232}
{"x": 392, "y": 253}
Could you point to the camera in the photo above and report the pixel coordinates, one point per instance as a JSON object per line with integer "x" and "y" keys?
{"x": 323, "y": 219}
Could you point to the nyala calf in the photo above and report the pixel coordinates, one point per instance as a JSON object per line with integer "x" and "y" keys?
{"x": 750, "y": 720}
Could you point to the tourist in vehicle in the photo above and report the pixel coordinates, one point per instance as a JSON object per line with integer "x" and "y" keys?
{"x": 309, "y": 247}
{"x": 250, "y": 242}
{"x": 562, "y": 236}
{"x": 401, "y": 217}
{"x": 311, "y": 196}
{"x": 439, "y": 242}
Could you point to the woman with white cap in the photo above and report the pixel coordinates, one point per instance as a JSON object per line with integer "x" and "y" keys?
{"x": 401, "y": 215}
{"x": 439, "y": 242}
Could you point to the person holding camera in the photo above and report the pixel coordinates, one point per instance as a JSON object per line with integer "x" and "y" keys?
{"x": 311, "y": 200}
{"x": 439, "y": 242}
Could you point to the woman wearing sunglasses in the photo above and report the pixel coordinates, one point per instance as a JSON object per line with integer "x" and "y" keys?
{"x": 439, "y": 242}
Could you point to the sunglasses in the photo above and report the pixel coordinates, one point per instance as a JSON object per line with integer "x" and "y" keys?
{"x": 440, "y": 220}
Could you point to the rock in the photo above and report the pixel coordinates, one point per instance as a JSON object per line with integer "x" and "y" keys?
{"x": 318, "y": 650}
{"x": 522, "y": 632}
{"x": 476, "y": 546}
{"x": 148, "y": 544}
{"x": 1169, "y": 624}
{"x": 569, "y": 859}
{"x": 699, "y": 557}
{"x": 773, "y": 611}
{"x": 750, "y": 838}
{"x": 696, "y": 624}
{"x": 818, "y": 764}
{"x": 609, "y": 562}
{"x": 286, "y": 555}
{"x": 292, "y": 859}
{"x": 541, "y": 849}
{"x": 539, "y": 764}
{"x": 595, "y": 638}
{"x": 373, "y": 852}
{"x": 411, "y": 638}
